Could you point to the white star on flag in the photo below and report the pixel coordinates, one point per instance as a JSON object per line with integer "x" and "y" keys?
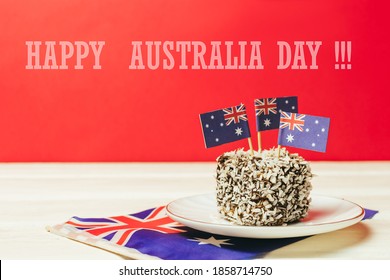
{"x": 211, "y": 241}
{"x": 267, "y": 122}
{"x": 238, "y": 131}
{"x": 290, "y": 138}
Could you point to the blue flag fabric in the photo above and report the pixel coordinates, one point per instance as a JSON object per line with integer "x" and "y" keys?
{"x": 152, "y": 234}
{"x": 224, "y": 126}
{"x": 303, "y": 131}
{"x": 268, "y": 111}
{"x": 369, "y": 213}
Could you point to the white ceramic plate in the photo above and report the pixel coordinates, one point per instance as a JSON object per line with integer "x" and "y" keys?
{"x": 325, "y": 214}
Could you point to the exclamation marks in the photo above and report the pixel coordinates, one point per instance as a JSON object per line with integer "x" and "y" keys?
{"x": 343, "y": 50}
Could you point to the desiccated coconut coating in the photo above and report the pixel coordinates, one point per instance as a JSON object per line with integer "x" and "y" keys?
{"x": 262, "y": 189}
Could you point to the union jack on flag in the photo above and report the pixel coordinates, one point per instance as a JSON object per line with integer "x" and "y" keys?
{"x": 225, "y": 125}
{"x": 235, "y": 114}
{"x": 303, "y": 131}
{"x": 120, "y": 229}
{"x": 265, "y": 106}
{"x": 292, "y": 121}
{"x": 268, "y": 111}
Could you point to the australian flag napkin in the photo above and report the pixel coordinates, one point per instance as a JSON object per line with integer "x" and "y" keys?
{"x": 151, "y": 234}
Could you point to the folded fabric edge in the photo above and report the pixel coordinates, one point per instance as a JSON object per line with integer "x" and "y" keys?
{"x": 369, "y": 213}
{"x": 91, "y": 240}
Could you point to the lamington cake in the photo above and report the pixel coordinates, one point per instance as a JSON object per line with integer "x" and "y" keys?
{"x": 263, "y": 189}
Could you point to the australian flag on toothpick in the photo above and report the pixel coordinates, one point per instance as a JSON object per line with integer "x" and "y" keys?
{"x": 268, "y": 111}
{"x": 303, "y": 131}
{"x": 225, "y": 125}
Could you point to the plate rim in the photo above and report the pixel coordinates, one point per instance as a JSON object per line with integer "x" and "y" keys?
{"x": 232, "y": 226}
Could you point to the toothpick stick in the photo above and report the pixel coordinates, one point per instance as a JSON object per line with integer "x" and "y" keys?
{"x": 259, "y": 141}
{"x": 278, "y": 151}
{"x": 250, "y": 145}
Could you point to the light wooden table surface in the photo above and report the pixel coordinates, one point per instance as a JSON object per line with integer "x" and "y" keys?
{"x": 33, "y": 196}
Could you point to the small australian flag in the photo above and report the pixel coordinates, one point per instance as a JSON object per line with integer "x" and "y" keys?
{"x": 303, "y": 131}
{"x": 268, "y": 111}
{"x": 224, "y": 126}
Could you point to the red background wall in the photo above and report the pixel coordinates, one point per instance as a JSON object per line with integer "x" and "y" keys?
{"x": 117, "y": 114}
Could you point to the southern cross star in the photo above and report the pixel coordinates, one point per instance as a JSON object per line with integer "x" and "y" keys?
{"x": 211, "y": 241}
